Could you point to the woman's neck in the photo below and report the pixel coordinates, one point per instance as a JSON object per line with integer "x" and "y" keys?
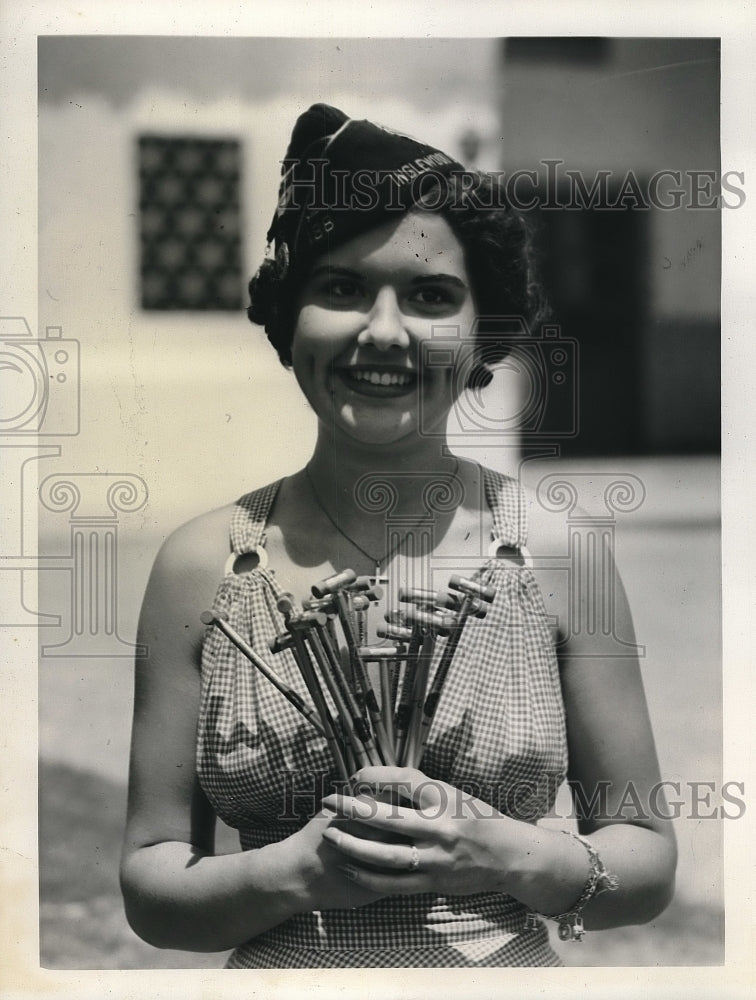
{"x": 336, "y": 469}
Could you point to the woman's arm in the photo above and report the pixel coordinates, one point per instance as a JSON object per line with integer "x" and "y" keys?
{"x": 177, "y": 894}
{"x": 613, "y": 768}
{"x": 614, "y": 777}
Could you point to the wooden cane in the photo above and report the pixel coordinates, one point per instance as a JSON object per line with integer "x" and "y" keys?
{"x": 209, "y": 618}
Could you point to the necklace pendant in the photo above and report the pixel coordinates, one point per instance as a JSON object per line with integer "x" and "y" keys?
{"x": 379, "y": 579}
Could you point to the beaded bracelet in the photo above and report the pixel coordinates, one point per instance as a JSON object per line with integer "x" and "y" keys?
{"x": 598, "y": 881}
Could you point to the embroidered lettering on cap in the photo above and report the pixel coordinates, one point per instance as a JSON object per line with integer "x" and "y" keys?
{"x": 414, "y": 168}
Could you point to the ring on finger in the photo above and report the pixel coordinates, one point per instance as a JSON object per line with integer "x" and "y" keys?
{"x": 414, "y": 861}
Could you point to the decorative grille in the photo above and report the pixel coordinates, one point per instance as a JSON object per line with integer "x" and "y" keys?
{"x": 190, "y": 223}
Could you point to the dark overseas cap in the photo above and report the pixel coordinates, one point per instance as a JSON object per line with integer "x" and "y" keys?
{"x": 342, "y": 177}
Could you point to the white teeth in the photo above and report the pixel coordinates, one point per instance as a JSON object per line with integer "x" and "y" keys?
{"x": 381, "y": 378}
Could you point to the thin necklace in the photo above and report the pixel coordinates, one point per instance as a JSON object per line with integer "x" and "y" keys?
{"x": 378, "y": 578}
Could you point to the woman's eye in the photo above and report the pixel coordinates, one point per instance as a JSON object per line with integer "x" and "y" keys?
{"x": 431, "y": 296}
{"x": 342, "y": 288}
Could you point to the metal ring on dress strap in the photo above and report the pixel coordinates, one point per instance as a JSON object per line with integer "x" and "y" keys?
{"x": 234, "y": 557}
{"x": 496, "y": 544}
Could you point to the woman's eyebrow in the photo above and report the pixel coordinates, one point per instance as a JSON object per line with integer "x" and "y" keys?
{"x": 450, "y": 279}
{"x": 330, "y": 269}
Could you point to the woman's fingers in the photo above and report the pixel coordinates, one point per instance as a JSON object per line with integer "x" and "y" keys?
{"x": 385, "y": 776}
{"x": 402, "y": 821}
{"x": 404, "y": 857}
{"x": 384, "y": 884}
{"x": 405, "y": 783}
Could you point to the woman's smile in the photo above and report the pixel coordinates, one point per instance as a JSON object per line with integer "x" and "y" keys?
{"x": 378, "y": 382}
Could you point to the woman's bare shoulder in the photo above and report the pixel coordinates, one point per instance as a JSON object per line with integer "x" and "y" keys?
{"x": 190, "y": 562}
{"x": 202, "y": 540}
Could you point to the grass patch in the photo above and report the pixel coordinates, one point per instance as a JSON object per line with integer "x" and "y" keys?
{"x": 82, "y": 922}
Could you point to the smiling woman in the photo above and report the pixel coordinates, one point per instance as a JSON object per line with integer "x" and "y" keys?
{"x": 386, "y": 781}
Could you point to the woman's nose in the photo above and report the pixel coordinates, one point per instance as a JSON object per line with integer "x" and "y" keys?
{"x": 384, "y": 327}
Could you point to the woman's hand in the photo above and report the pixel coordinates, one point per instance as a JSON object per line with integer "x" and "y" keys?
{"x": 321, "y": 881}
{"x": 443, "y": 841}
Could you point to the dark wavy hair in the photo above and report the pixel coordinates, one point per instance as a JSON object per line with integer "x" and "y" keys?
{"x": 498, "y": 245}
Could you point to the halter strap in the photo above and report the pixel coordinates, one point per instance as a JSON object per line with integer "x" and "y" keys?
{"x": 250, "y": 518}
{"x": 506, "y": 500}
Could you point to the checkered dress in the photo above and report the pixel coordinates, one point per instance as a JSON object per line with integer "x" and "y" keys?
{"x": 499, "y": 733}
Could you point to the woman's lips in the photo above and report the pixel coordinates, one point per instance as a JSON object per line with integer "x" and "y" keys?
{"x": 378, "y": 382}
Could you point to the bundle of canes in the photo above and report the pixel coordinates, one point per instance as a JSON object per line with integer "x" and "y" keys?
{"x": 360, "y": 731}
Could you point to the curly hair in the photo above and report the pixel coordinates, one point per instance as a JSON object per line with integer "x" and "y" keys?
{"x": 498, "y": 246}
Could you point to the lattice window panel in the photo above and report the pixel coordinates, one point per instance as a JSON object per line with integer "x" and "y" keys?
{"x": 190, "y": 223}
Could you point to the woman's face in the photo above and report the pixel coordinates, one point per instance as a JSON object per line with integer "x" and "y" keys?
{"x": 366, "y": 309}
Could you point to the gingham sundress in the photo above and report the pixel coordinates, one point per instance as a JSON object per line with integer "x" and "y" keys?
{"x": 499, "y": 732}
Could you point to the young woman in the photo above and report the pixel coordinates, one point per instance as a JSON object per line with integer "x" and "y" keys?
{"x": 385, "y": 251}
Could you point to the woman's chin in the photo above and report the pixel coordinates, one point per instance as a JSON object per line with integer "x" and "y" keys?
{"x": 377, "y": 428}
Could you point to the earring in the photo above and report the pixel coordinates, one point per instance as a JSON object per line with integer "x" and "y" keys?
{"x": 283, "y": 260}
{"x": 480, "y": 376}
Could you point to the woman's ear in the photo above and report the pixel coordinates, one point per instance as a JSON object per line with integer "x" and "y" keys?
{"x": 266, "y": 291}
